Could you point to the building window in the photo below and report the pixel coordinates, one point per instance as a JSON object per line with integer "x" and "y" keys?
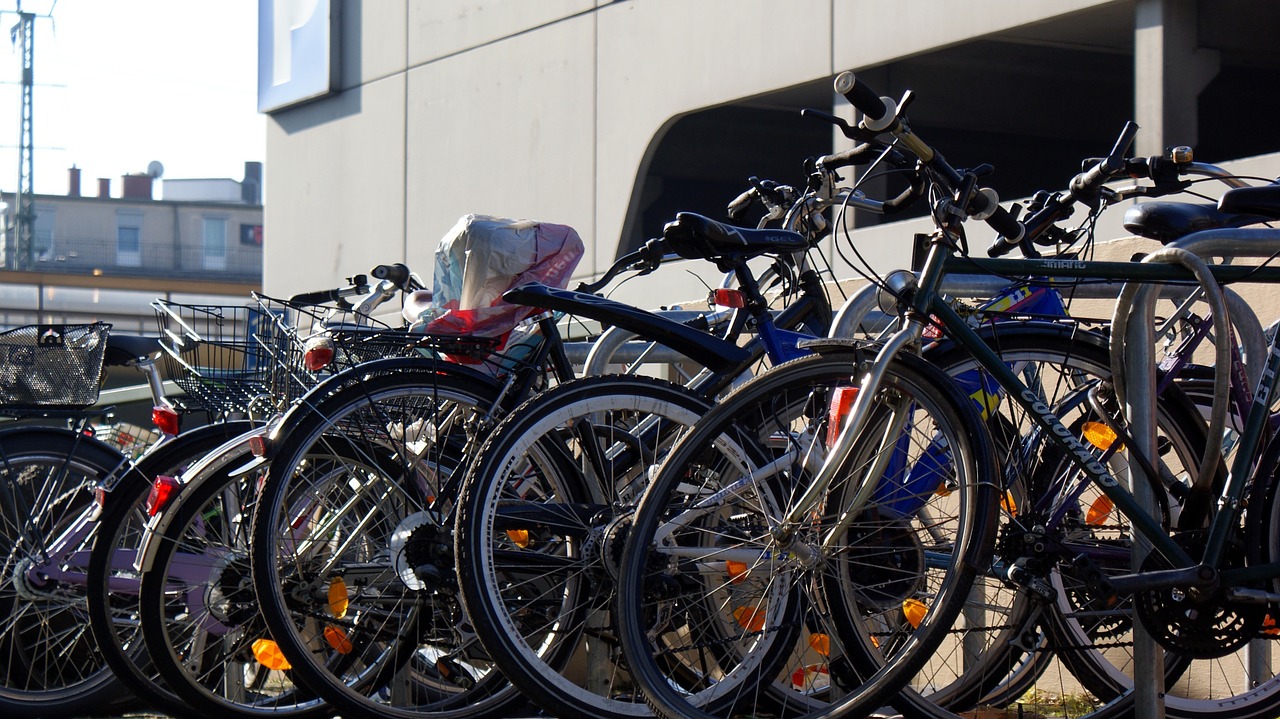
{"x": 42, "y": 247}
{"x": 129, "y": 239}
{"x": 215, "y": 243}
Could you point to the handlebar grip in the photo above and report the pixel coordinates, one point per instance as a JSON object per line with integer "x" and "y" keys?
{"x": 398, "y": 274}
{"x": 318, "y": 297}
{"x": 740, "y": 204}
{"x": 1011, "y": 232}
{"x": 860, "y": 96}
{"x": 854, "y": 156}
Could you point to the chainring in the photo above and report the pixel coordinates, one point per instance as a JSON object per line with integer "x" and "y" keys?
{"x": 1199, "y": 623}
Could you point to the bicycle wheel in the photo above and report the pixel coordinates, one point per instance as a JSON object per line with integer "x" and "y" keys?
{"x": 200, "y": 618}
{"x": 112, "y": 580}
{"x": 49, "y": 663}
{"x": 719, "y": 607}
{"x": 1239, "y": 680}
{"x": 352, "y": 548}
{"x": 1044, "y": 514}
{"x": 540, "y": 523}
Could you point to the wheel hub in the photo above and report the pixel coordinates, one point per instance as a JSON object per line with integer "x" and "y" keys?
{"x": 422, "y": 553}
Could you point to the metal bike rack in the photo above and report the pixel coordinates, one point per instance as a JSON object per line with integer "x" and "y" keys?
{"x": 1149, "y": 689}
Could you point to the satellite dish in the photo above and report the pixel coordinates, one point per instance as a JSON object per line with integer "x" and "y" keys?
{"x": 155, "y": 169}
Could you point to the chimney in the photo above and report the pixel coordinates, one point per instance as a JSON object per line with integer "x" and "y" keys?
{"x": 73, "y": 181}
{"x": 104, "y": 187}
{"x": 136, "y": 187}
{"x": 251, "y": 186}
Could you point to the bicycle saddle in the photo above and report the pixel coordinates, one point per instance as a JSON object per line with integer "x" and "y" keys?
{"x": 1169, "y": 221}
{"x": 1262, "y": 200}
{"x": 696, "y": 237}
{"x": 123, "y": 349}
{"x": 415, "y": 304}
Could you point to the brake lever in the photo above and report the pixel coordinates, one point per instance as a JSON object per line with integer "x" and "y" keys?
{"x": 849, "y": 131}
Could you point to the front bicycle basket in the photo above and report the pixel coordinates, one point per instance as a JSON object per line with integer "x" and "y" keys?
{"x": 52, "y": 365}
{"x": 210, "y": 352}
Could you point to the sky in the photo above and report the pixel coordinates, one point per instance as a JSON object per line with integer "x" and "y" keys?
{"x": 122, "y": 83}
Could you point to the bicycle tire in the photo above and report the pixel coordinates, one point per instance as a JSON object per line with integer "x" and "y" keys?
{"x": 406, "y": 431}
{"x": 198, "y": 609}
{"x": 749, "y": 452}
{"x": 113, "y": 616}
{"x": 540, "y": 520}
{"x": 51, "y": 665}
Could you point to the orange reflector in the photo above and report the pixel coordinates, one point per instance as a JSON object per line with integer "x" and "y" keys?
{"x": 749, "y": 618}
{"x": 519, "y": 537}
{"x": 338, "y": 598}
{"x": 737, "y": 571}
{"x": 1100, "y": 435}
{"x": 842, "y": 399}
{"x": 1099, "y": 511}
{"x": 1008, "y": 505}
{"x": 914, "y": 610}
{"x": 1269, "y": 626}
{"x": 820, "y": 643}
{"x": 338, "y": 640}
{"x": 269, "y": 655}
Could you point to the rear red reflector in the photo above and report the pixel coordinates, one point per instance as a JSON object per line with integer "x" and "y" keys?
{"x": 165, "y": 419}
{"x": 842, "y": 399}
{"x": 162, "y": 492}
{"x": 725, "y": 297}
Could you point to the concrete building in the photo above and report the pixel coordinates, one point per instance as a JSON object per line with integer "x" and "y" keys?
{"x": 107, "y": 255}
{"x": 394, "y": 118}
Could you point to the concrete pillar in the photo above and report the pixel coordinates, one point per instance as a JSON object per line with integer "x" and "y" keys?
{"x": 1170, "y": 70}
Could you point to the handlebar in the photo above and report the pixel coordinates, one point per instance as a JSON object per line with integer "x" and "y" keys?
{"x": 397, "y": 274}
{"x": 1166, "y": 170}
{"x": 1085, "y": 186}
{"x": 334, "y": 296}
{"x": 866, "y": 100}
{"x": 882, "y": 116}
{"x": 646, "y": 260}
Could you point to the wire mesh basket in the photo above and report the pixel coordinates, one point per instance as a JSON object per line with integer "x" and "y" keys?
{"x": 348, "y": 338}
{"x": 210, "y": 351}
{"x": 52, "y": 365}
{"x": 345, "y": 338}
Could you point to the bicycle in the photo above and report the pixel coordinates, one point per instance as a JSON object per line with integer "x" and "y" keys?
{"x": 253, "y": 357}
{"x": 549, "y": 492}
{"x": 450, "y": 673}
{"x": 56, "y": 483}
{"x": 797, "y": 534}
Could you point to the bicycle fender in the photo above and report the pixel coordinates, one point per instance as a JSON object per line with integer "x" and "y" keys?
{"x": 712, "y": 352}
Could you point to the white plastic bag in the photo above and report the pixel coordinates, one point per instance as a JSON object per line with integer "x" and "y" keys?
{"x": 483, "y": 257}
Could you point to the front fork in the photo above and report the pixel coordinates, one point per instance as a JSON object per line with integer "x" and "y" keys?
{"x": 859, "y": 415}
